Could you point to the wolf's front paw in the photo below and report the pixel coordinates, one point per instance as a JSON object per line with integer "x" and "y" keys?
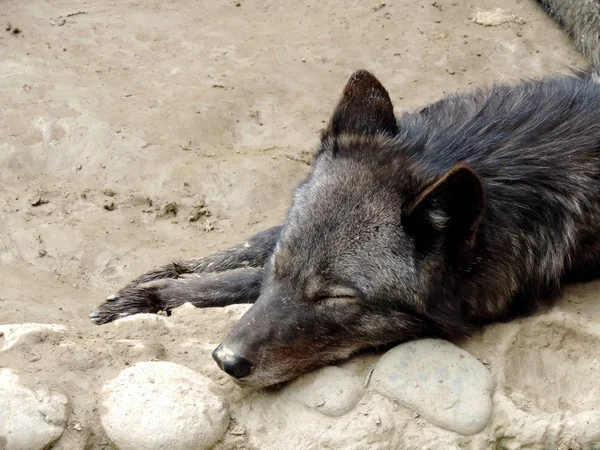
{"x": 138, "y": 299}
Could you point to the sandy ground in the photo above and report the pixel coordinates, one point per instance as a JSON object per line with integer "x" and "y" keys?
{"x": 115, "y": 109}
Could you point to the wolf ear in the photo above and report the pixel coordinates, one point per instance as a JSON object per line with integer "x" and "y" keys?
{"x": 451, "y": 208}
{"x": 365, "y": 108}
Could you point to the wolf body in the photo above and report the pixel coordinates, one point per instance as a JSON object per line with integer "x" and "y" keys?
{"x": 474, "y": 209}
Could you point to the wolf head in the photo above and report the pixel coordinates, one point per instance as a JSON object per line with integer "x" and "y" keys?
{"x": 370, "y": 253}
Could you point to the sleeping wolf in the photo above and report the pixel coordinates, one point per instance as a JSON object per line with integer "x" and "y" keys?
{"x": 475, "y": 209}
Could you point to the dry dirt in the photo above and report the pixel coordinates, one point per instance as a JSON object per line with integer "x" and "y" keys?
{"x": 113, "y": 110}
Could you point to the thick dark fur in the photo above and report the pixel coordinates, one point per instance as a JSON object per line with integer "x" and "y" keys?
{"x": 475, "y": 209}
{"x": 581, "y": 21}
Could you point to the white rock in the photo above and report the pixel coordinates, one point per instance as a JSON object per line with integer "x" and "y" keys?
{"x": 27, "y": 333}
{"x": 162, "y": 405}
{"x": 443, "y": 383}
{"x": 330, "y": 390}
{"x": 29, "y": 420}
{"x": 496, "y": 17}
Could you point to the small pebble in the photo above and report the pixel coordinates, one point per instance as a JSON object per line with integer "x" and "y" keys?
{"x": 37, "y": 201}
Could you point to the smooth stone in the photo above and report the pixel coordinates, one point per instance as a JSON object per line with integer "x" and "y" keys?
{"x": 15, "y": 335}
{"x": 29, "y": 420}
{"x": 330, "y": 390}
{"x": 163, "y": 405}
{"x": 443, "y": 383}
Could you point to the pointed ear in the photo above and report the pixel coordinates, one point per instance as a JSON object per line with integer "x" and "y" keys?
{"x": 451, "y": 208}
{"x": 365, "y": 108}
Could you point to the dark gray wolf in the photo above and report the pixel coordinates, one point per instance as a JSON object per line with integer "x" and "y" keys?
{"x": 475, "y": 209}
{"x": 581, "y": 21}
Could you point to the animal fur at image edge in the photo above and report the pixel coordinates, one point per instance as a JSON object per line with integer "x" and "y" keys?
{"x": 581, "y": 20}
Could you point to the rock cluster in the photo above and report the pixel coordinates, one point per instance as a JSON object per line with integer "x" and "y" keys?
{"x": 429, "y": 393}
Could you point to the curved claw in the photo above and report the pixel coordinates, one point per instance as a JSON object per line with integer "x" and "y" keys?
{"x": 95, "y": 317}
{"x": 112, "y": 297}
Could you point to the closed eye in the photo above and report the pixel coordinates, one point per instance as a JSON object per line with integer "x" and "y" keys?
{"x": 336, "y": 293}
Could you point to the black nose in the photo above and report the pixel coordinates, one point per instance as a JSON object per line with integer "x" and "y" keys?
{"x": 233, "y": 365}
{"x": 237, "y": 367}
